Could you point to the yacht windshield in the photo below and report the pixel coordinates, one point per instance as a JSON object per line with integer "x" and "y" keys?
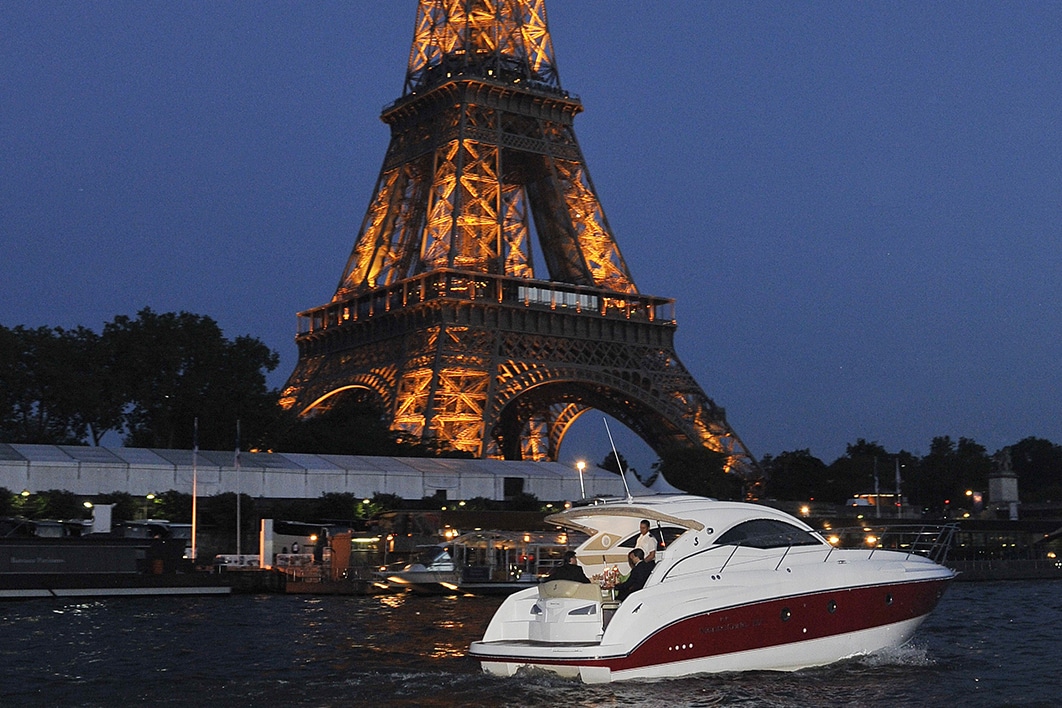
{"x": 767, "y": 533}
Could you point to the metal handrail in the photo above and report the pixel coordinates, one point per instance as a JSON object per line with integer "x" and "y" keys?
{"x": 932, "y": 541}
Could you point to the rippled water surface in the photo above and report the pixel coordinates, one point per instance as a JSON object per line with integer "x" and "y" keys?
{"x": 987, "y": 644}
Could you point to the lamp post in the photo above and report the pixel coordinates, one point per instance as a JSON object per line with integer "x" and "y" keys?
{"x": 582, "y": 489}
{"x": 899, "y": 491}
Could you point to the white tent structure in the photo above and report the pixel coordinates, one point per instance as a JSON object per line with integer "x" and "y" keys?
{"x": 91, "y": 471}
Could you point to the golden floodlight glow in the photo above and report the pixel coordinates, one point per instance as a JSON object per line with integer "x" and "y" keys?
{"x": 805, "y": 510}
{"x": 834, "y": 540}
{"x": 477, "y": 168}
{"x": 872, "y": 540}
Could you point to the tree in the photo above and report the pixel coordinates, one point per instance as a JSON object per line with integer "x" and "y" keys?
{"x": 218, "y": 512}
{"x": 614, "y": 462}
{"x": 150, "y": 377}
{"x": 60, "y": 504}
{"x": 942, "y": 477}
{"x": 854, "y": 472}
{"x": 12, "y": 380}
{"x": 41, "y": 385}
{"x": 173, "y": 506}
{"x": 7, "y": 502}
{"x": 796, "y": 475}
{"x": 524, "y": 501}
{"x": 1038, "y": 464}
{"x": 339, "y": 506}
{"x": 176, "y": 368}
{"x": 80, "y": 385}
{"x": 126, "y": 506}
{"x": 700, "y": 471}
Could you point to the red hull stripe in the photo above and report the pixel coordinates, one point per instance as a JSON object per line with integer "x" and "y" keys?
{"x": 770, "y": 623}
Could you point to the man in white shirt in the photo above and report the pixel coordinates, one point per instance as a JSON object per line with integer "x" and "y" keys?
{"x": 647, "y": 542}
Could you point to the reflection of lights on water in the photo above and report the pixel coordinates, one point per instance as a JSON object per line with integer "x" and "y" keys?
{"x": 393, "y": 601}
{"x": 448, "y": 651}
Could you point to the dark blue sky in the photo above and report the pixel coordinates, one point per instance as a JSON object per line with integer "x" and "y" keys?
{"x": 858, "y": 206}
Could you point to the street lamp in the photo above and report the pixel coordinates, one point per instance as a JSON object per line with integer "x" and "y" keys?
{"x": 582, "y": 489}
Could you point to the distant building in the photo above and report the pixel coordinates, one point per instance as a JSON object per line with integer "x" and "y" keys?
{"x": 92, "y": 471}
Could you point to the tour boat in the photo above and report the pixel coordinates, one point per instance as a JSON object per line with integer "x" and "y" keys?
{"x": 483, "y": 563}
{"x": 735, "y": 587}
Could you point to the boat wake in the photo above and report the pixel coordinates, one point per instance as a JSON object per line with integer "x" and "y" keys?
{"x": 906, "y": 655}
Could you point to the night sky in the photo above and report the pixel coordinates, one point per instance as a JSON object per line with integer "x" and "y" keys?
{"x": 857, "y": 206}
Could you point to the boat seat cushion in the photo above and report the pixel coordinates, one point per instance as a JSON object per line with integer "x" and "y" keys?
{"x": 570, "y": 588}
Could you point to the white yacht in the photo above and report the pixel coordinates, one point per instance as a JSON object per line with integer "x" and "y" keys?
{"x": 735, "y": 587}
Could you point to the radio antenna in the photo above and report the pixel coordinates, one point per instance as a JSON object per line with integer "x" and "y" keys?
{"x": 623, "y": 475}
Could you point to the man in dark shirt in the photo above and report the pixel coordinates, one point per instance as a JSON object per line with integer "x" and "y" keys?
{"x": 569, "y": 570}
{"x": 640, "y": 570}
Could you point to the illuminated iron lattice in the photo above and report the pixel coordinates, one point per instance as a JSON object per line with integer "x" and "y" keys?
{"x": 445, "y": 314}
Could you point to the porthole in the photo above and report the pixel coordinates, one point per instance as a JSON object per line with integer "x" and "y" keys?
{"x": 831, "y": 607}
{"x": 786, "y": 614}
{"x": 888, "y": 598}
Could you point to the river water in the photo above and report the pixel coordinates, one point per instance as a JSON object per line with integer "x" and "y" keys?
{"x": 987, "y": 644}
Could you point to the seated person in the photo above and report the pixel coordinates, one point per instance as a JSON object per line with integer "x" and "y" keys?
{"x": 640, "y": 570}
{"x": 569, "y": 570}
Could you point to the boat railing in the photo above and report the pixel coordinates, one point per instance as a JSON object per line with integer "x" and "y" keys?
{"x": 929, "y": 540}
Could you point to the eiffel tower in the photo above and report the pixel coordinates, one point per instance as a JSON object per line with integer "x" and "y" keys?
{"x": 486, "y": 303}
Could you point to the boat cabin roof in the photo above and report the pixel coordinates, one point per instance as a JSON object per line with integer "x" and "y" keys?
{"x": 683, "y": 511}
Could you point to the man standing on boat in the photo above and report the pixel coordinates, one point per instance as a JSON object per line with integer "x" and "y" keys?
{"x": 646, "y": 542}
{"x": 569, "y": 570}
